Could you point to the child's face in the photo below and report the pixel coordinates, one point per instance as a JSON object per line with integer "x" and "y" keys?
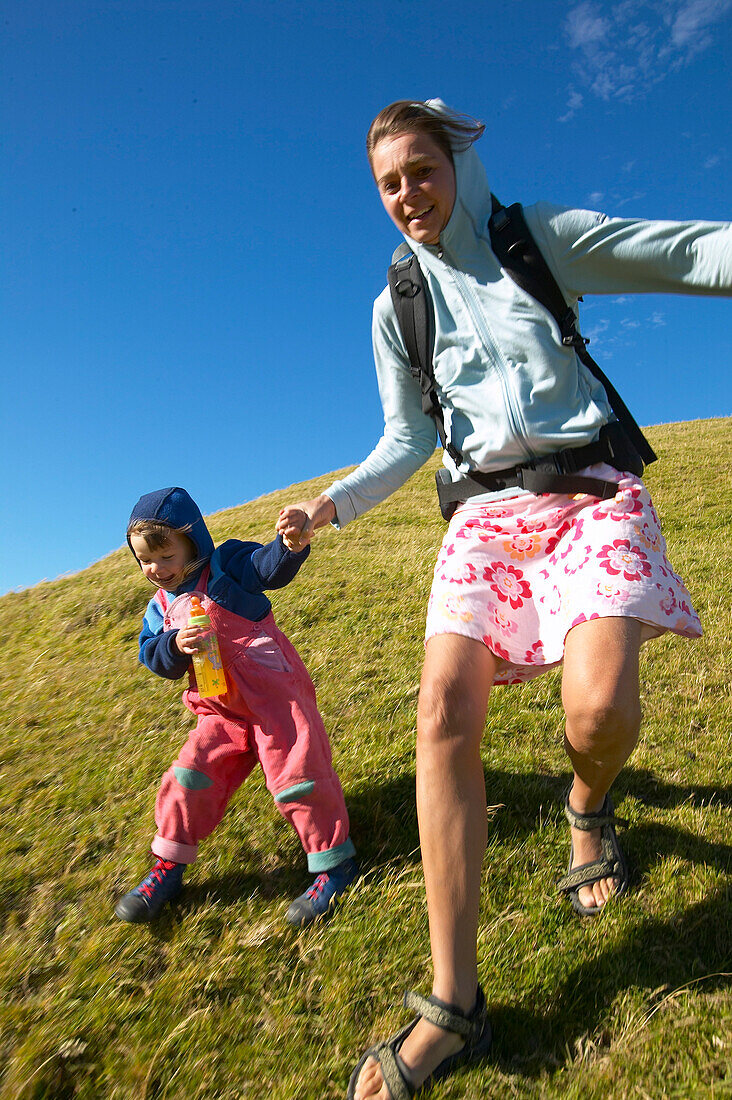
{"x": 165, "y": 565}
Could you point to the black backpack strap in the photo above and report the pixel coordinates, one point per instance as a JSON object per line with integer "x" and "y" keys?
{"x": 519, "y": 255}
{"x": 415, "y": 315}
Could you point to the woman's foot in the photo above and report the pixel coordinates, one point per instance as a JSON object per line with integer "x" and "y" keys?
{"x": 598, "y": 870}
{"x": 422, "y": 1051}
{"x": 586, "y": 848}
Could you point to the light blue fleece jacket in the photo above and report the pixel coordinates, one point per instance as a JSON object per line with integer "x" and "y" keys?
{"x": 509, "y": 389}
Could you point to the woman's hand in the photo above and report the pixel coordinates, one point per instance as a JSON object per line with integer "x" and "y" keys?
{"x": 297, "y": 522}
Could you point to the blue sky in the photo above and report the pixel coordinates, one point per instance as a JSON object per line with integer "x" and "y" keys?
{"x": 192, "y": 242}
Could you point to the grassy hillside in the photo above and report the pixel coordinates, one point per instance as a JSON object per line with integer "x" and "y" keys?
{"x": 220, "y": 998}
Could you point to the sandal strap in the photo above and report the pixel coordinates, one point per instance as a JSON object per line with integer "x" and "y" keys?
{"x": 449, "y": 1017}
{"x": 589, "y": 873}
{"x": 399, "y": 1086}
{"x": 604, "y": 816}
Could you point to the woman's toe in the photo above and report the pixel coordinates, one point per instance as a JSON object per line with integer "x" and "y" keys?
{"x": 369, "y": 1082}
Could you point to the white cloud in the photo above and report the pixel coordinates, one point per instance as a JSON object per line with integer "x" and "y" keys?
{"x": 576, "y": 99}
{"x": 595, "y": 198}
{"x": 585, "y": 26}
{"x": 690, "y": 30}
{"x": 627, "y": 47}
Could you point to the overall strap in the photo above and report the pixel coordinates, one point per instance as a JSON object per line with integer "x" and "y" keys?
{"x": 162, "y": 596}
{"x": 415, "y": 315}
{"x": 519, "y": 255}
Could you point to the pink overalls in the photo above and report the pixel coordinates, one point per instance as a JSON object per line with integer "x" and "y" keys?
{"x": 269, "y": 716}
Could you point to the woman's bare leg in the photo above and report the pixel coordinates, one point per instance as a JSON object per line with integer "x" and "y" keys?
{"x": 601, "y": 697}
{"x": 451, "y": 808}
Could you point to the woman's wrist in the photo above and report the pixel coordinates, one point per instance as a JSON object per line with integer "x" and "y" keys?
{"x": 323, "y": 512}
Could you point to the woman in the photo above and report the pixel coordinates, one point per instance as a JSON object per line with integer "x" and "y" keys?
{"x": 522, "y": 582}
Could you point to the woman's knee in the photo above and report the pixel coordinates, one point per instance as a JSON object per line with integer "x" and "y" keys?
{"x": 448, "y": 713}
{"x": 600, "y": 717}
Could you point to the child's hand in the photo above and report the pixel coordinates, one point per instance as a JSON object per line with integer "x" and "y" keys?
{"x": 297, "y": 522}
{"x": 191, "y": 639}
{"x": 295, "y": 527}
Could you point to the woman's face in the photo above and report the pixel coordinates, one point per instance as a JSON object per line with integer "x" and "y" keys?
{"x": 416, "y": 182}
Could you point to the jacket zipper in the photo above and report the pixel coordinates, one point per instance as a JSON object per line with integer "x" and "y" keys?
{"x": 515, "y": 420}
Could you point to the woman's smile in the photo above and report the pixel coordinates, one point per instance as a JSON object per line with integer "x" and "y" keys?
{"x": 416, "y": 183}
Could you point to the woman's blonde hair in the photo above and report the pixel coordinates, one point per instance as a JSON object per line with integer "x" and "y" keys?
{"x": 451, "y": 132}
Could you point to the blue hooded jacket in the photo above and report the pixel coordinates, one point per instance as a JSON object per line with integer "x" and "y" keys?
{"x": 239, "y": 574}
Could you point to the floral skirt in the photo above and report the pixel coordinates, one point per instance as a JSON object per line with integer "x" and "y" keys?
{"x": 520, "y": 573}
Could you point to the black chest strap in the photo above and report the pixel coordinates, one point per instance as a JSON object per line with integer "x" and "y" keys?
{"x": 519, "y": 255}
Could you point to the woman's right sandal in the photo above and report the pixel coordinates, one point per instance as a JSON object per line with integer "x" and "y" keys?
{"x": 612, "y": 864}
{"x": 473, "y": 1027}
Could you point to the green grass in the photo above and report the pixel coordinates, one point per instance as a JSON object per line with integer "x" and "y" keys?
{"x": 220, "y": 998}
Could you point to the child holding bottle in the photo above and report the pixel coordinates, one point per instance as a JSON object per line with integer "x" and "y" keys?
{"x": 268, "y": 714}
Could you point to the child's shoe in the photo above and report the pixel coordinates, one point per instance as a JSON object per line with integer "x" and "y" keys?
{"x": 323, "y": 895}
{"x": 164, "y": 883}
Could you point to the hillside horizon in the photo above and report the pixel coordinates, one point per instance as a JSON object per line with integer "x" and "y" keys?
{"x": 221, "y": 999}
{"x": 297, "y": 491}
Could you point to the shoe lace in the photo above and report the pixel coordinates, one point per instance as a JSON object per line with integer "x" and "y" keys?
{"x": 156, "y": 876}
{"x": 317, "y": 887}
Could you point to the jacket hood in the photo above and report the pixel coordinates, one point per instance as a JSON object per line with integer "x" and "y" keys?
{"x": 175, "y": 508}
{"x": 472, "y": 209}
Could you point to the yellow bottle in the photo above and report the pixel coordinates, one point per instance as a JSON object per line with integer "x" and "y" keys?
{"x": 210, "y": 678}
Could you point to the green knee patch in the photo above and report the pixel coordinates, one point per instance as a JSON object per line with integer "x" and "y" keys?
{"x": 191, "y": 779}
{"x": 294, "y": 794}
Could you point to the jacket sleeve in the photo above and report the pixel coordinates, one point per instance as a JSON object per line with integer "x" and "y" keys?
{"x": 158, "y": 651}
{"x": 590, "y": 253}
{"x": 254, "y": 567}
{"x": 409, "y": 436}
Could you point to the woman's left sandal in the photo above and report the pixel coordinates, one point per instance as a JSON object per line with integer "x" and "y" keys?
{"x": 474, "y": 1027}
{"x": 612, "y": 864}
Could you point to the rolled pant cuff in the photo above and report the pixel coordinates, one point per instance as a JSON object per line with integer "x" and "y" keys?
{"x": 326, "y": 861}
{"x": 173, "y": 850}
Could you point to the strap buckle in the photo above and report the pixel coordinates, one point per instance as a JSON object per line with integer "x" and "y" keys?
{"x": 406, "y": 288}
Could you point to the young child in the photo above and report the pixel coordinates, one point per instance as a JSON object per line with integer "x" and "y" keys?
{"x": 268, "y": 715}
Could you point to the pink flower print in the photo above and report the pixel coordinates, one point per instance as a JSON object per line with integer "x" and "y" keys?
{"x": 582, "y": 618}
{"x": 522, "y": 546}
{"x": 484, "y": 530}
{"x": 623, "y": 558}
{"x": 535, "y": 655}
{"x": 552, "y": 600}
{"x": 579, "y": 559}
{"x": 466, "y": 574}
{"x": 625, "y": 503}
{"x": 557, "y": 538}
{"x": 497, "y": 513}
{"x": 537, "y": 524}
{"x": 496, "y": 648}
{"x": 487, "y": 531}
{"x": 453, "y": 607}
{"x": 501, "y": 620}
{"x": 612, "y": 591}
{"x": 684, "y": 607}
{"x": 650, "y": 537}
{"x": 668, "y": 602}
{"x": 508, "y": 584}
